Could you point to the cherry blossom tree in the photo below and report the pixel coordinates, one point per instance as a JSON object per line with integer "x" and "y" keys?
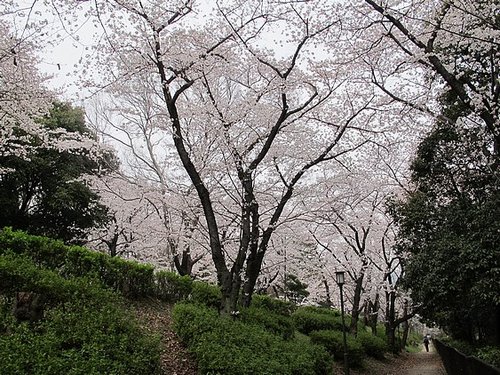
{"x": 138, "y": 228}
{"x": 355, "y": 233}
{"x": 260, "y": 106}
{"x": 22, "y": 95}
{"x": 453, "y": 43}
{"x": 131, "y": 123}
{"x": 131, "y": 218}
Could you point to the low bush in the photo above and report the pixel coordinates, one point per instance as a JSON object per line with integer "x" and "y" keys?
{"x": 273, "y": 304}
{"x": 333, "y": 342}
{"x": 193, "y": 320}
{"x": 226, "y": 346}
{"x": 372, "y": 345}
{"x": 78, "y": 340}
{"x": 308, "y": 319}
{"x": 84, "y": 328}
{"x": 487, "y": 353}
{"x": 206, "y": 294}
{"x": 278, "y": 324}
{"x": 130, "y": 278}
{"x": 462, "y": 346}
{"x": 490, "y": 355}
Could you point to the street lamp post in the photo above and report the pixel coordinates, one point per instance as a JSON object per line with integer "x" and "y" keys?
{"x": 339, "y": 276}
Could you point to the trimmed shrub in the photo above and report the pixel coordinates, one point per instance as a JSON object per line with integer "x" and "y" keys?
{"x": 84, "y": 330}
{"x": 275, "y": 323}
{"x": 42, "y": 250}
{"x": 130, "y": 278}
{"x": 206, "y": 294}
{"x": 78, "y": 340}
{"x": 308, "y": 319}
{"x": 233, "y": 347}
{"x": 192, "y": 320}
{"x": 333, "y": 342}
{"x": 373, "y": 345}
{"x": 273, "y": 304}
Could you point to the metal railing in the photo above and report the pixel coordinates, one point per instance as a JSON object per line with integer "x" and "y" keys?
{"x": 457, "y": 363}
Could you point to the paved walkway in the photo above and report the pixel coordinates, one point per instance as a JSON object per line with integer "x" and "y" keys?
{"x": 425, "y": 363}
{"x": 421, "y": 363}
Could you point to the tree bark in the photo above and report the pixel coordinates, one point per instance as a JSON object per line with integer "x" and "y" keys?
{"x": 358, "y": 289}
{"x": 371, "y": 313}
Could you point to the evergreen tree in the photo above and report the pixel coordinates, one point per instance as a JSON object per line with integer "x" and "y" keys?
{"x": 42, "y": 193}
{"x": 449, "y": 228}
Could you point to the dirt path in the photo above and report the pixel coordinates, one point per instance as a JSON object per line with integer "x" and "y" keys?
{"x": 156, "y": 317}
{"x": 421, "y": 363}
{"x": 426, "y": 363}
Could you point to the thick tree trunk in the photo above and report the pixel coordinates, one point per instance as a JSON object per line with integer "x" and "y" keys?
{"x": 358, "y": 289}
{"x": 328, "y": 301}
{"x": 184, "y": 266}
{"x": 254, "y": 265}
{"x": 371, "y": 313}
{"x": 390, "y": 319}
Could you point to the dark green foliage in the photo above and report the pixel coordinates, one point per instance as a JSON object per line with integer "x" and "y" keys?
{"x": 309, "y": 318}
{"x": 489, "y": 354}
{"x": 226, "y": 346}
{"x": 42, "y": 194}
{"x": 333, "y": 342}
{"x": 273, "y": 304}
{"x": 373, "y": 346}
{"x": 278, "y": 324}
{"x": 295, "y": 290}
{"x": 192, "y": 320}
{"x": 84, "y": 328}
{"x": 130, "y": 278}
{"x": 449, "y": 226}
{"x": 206, "y": 294}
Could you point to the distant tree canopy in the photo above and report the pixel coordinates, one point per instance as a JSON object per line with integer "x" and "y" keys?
{"x": 450, "y": 228}
{"x": 41, "y": 193}
{"x": 295, "y": 290}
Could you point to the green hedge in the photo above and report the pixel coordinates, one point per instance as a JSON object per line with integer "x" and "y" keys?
{"x": 20, "y": 274}
{"x": 84, "y": 328}
{"x": 489, "y": 354}
{"x": 170, "y": 286}
{"x": 207, "y": 294}
{"x": 373, "y": 346}
{"x": 278, "y": 324}
{"x": 333, "y": 342}
{"x": 273, "y": 304}
{"x": 226, "y": 346}
{"x": 130, "y": 278}
{"x": 309, "y": 318}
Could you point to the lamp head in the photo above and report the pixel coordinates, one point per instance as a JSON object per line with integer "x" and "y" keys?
{"x": 339, "y": 277}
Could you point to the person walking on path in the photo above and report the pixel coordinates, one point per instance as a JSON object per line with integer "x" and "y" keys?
{"x": 426, "y": 343}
